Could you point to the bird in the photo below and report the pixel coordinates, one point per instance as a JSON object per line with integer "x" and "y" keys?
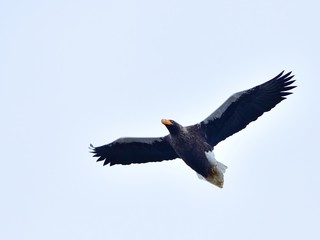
{"x": 195, "y": 144}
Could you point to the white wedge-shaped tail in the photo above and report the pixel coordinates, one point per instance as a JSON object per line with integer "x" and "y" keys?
{"x": 216, "y": 176}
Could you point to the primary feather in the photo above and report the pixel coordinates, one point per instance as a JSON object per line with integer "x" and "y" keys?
{"x": 194, "y": 144}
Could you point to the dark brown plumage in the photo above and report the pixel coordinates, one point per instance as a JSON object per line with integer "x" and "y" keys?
{"x": 194, "y": 144}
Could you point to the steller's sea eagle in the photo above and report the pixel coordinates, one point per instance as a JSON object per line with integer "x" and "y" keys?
{"x": 194, "y": 144}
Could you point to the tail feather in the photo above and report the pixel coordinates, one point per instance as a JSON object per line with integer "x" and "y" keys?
{"x": 221, "y": 167}
{"x": 215, "y": 176}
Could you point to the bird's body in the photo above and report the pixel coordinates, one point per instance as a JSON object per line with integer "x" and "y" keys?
{"x": 184, "y": 145}
{"x": 190, "y": 145}
{"x": 194, "y": 144}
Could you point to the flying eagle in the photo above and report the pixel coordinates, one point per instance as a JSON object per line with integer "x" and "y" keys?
{"x": 194, "y": 144}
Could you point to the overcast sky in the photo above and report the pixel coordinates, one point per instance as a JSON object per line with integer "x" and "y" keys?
{"x": 79, "y": 72}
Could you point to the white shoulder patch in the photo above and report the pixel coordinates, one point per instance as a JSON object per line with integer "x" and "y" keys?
{"x": 218, "y": 113}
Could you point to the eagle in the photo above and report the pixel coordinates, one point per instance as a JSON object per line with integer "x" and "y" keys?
{"x": 195, "y": 144}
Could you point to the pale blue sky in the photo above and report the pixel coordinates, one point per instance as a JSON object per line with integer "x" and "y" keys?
{"x": 80, "y": 72}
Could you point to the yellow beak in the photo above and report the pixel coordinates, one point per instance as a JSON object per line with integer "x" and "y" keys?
{"x": 166, "y": 122}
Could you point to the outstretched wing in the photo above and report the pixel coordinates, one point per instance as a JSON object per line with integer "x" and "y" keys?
{"x": 135, "y": 150}
{"x": 244, "y": 107}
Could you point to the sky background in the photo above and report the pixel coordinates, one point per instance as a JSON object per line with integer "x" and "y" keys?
{"x": 79, "y": 72}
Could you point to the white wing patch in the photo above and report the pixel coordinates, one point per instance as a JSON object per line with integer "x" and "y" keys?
{"x": 218, "y": 113}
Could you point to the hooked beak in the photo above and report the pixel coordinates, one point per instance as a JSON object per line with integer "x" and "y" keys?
{"x": 166, "y": 121}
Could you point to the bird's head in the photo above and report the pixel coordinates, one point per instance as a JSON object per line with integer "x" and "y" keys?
{"x": 172, "y": 126}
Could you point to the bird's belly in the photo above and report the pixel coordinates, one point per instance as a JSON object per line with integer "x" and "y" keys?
{"x": 192, "y": 152}
{"x": 198, "y": 162}
{"x": 208, "y": 167}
